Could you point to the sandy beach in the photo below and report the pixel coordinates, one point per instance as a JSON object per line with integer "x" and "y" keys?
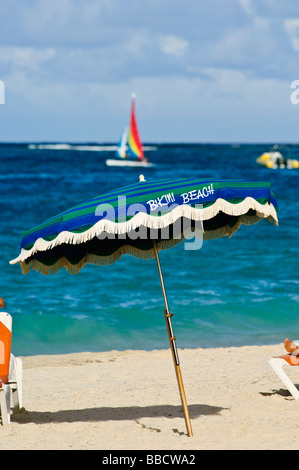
{"x": 130, "y": 400}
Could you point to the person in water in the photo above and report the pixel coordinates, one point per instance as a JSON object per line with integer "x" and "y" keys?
{"x": 291, "y": 348}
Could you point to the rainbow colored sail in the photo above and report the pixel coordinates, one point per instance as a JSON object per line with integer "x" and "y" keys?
{"x": 135, "y": 148}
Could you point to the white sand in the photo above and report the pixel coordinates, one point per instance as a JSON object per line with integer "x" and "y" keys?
{"x": 130, "y": 400}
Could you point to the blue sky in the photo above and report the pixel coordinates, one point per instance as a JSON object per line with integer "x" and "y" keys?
{"x": 203, "y": 71}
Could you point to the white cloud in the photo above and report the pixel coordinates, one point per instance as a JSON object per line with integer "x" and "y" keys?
{"x": 292, "y": 29}
{"x": 173, "y": 46}
{"x": 25, "y": 57}
{"x": 248, "y": 7}
{"x": 136, "y": 44}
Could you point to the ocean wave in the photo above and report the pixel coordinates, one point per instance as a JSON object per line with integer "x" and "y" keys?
{"x": 89, "y": 148}
{"x": 13, "y": 176}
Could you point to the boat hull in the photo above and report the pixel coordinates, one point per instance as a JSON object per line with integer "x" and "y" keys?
{"x": 125, "y": 162}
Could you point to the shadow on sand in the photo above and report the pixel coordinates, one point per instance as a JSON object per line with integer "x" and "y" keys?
{"x": 112, "y": 414}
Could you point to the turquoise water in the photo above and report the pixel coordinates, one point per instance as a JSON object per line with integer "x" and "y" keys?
{"x": 232, "y": 292}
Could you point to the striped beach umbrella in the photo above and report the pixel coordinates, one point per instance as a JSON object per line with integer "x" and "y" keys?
{"x": 142, "y": 219}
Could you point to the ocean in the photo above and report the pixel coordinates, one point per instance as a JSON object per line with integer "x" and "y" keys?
{"x": 232, "y": 292}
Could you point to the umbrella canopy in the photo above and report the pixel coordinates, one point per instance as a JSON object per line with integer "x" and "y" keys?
{"x": 140, "y": 220}
{"x": 126, "y": 220}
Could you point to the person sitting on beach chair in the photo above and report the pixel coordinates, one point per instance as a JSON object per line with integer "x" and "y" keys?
{"x": 291, "y": 347}
{"x": 291, "y": 359}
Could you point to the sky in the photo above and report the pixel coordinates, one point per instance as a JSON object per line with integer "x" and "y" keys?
{"x": 203, "y": 71}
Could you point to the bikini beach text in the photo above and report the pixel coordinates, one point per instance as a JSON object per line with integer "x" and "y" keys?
{"x": 194, "y": 195}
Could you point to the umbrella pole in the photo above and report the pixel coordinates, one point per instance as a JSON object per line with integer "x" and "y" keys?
{"x": 173, "y": 348}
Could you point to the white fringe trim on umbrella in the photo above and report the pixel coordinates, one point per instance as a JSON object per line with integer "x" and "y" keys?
{"x": 142, "y": 219}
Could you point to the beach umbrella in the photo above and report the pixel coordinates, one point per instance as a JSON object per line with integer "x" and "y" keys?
{"x": 141, "y": 220}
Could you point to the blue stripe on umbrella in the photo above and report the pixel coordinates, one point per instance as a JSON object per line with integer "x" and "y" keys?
{"x": 88, "y": 220}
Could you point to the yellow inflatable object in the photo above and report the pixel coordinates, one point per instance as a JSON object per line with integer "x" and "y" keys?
{"x": 264, "y": 157}
{"x": 275, "y": 160}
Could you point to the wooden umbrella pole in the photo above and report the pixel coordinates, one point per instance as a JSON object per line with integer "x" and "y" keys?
{"x": 173, "y": 348}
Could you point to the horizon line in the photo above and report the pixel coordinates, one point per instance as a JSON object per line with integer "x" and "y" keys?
{"x": 88, "y": 142}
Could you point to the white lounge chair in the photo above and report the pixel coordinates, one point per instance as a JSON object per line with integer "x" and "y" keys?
{"x": 277, "y": 364}
{"x": 10, "y": 371}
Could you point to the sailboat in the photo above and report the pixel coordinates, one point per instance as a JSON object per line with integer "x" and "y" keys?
{"x": 121, "y": 150}
{"x": 130, "y": 151}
